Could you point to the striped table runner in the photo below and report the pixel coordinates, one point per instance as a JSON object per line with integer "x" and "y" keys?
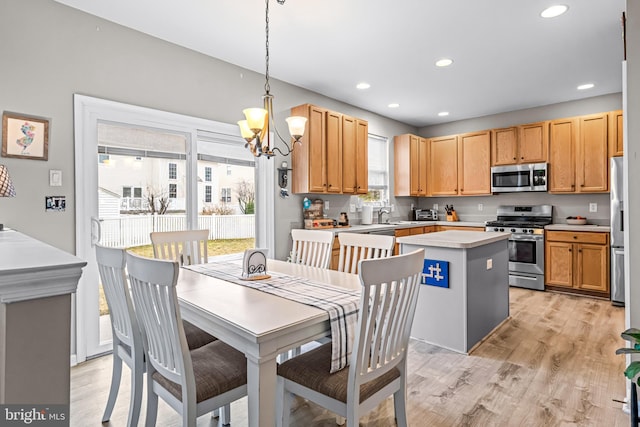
{"x": 341, "y": 304}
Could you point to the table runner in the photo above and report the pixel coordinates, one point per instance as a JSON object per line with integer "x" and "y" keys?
{"x": 341, "y": 304}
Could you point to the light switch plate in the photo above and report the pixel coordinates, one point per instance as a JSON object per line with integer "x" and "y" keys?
{"x": 55, "y": 178}
{"x": 489, "y": 263}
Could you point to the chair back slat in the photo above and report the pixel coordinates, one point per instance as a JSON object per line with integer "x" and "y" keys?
{"x": 311, "y": 247}
{"x": 111, "y": 267}
{"x": 188, "y": 247}
{"x": 388, "y": 300}
{"x": 153, "y": 287}
{"x": 355, "y": 247}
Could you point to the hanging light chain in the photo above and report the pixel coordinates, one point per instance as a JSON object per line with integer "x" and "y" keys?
{"x": 267, "y": 87}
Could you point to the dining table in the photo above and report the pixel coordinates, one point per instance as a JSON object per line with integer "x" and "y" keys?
{"x": 259, "y": 324}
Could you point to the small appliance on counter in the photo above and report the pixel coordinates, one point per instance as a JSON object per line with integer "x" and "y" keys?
{"x": 367, "y": 215}
{"x": 425, "y": 215}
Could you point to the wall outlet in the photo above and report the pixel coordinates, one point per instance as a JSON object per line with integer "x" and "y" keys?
{"x": 480, "y": 206}
{"x": 489, "y": 263}
{"x": 352, "y": 207}
{"x": 435, "y": 206}
{"x": 412, "y": 206}
{"x": 393, "y": 208}
{"x": 326, "y": 205}
{"x": 593, "y": 207}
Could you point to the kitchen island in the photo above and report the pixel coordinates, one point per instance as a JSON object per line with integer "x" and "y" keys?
{"x": 465, "y": 291}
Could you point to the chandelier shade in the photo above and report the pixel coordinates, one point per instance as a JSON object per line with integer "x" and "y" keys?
{"x": 258, "y": 122}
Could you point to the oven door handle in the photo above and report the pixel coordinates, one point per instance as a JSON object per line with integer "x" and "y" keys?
{"x": 527, "y": 237}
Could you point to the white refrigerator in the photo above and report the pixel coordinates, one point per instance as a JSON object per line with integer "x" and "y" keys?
{"x": 617, "y": 232}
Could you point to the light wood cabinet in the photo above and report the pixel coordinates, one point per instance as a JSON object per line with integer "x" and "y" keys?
{"x": 577, "y": 261}
{"x": 355, "y": 167}
{"x": 615, "y": 133}
{"x": 410, "y": 165}
{"x": 474, "y": 163}
{"x": 332, "y": 156}
{"x": 578, "y": 155}
{"x": 402, "y": 232}
{"x": 520, "y": 144}
{"x": 443, "y": 166}
{"x": 457, "y": 227}
{"x": 460, "y": 165}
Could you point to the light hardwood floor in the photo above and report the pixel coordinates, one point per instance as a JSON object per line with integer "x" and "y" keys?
{"x": 552, "y": 363}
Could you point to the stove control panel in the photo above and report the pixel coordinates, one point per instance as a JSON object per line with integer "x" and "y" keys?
{"x": 516, "y": 230}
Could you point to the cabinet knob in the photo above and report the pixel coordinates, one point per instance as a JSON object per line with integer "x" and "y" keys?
{"x": 581, "y": 185}
{"x": 570, "y": 250}
{"x": 575, "y": 237}
{"x": 514, "y": 158}
{"x": 579, "y": 250}
{"x": 521, "y": 158}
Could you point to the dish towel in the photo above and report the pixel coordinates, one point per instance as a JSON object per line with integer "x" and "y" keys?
{"x": 341, "y": 304}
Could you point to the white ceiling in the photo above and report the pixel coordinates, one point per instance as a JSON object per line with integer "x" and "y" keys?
{"x": 506, "y": 57}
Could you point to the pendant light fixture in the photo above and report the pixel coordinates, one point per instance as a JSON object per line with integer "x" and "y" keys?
{"x": 255, "y": 129}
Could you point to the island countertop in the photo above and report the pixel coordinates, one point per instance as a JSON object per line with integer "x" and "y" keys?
{"x": 454, "y": 239}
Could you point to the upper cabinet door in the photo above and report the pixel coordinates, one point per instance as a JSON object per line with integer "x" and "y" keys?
{"x": 592, "y": 165}
{"x": 443, "y": 166}
{"x": 562, "y": 143}
{"x": 474, "y": 163}
{"x": 615, "y": 133}
{"x": 504, "y": 146}
{"x": 362, "y": 157}
{"x": 533, "y": 142}
{"x": 349, "y": 156}
{"x": 333, "y": 159}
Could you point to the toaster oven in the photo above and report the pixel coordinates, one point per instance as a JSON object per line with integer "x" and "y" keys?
{"x": 425, "y": 215}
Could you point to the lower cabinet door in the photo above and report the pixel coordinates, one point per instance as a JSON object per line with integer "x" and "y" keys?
{"x": 559, "y": 264}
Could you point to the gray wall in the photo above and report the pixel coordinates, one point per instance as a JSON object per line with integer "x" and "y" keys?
{"x": 63, "y": 51}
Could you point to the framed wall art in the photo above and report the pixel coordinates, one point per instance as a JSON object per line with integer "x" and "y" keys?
{"x": 25, "y": 137}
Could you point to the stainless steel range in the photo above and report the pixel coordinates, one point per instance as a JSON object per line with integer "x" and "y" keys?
{"x": 526, "y": 244}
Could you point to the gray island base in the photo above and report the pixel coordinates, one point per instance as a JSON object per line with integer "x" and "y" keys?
{"x": 476, "y": 301}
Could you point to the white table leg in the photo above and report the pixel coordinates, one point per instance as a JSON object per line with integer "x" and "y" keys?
{"x": 261, "y": 386}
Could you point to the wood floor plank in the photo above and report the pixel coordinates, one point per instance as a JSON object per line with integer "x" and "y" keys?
{"x": 551, "y": 364}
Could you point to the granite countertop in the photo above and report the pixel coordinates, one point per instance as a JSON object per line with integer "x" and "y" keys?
{"x": 454, "y": 239}
{"x": 586, "y": 227}
{"x": 394, "y": 225}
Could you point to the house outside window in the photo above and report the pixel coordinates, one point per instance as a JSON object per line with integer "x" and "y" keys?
{"x": 173, "y": 171}
{"x": 103, "y": 159}
{"x": 173, "y": 191}
{"x": 207, "y": 193}
{"x": 378, "y": 177}
{"x": 225, "y": 195}
{"x": 207, "y": 174}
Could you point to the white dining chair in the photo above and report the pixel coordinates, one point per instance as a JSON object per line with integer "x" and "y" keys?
{"x": 127, "y": 341}
{"x": 188, "y": 247}
{"x": 192, "y": 382}
{"x": 378, "y": 363}
{"x": 355, "y": 247}
{"x": 312, "y": 247}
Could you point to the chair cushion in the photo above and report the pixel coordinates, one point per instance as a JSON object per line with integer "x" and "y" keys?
{"x": 311, "y": 369}
{"x": 217, "y": 368}
{"x": 196, "y": 337}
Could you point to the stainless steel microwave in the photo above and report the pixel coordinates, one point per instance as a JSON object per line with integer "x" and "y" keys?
{"x": 516, "y": 178}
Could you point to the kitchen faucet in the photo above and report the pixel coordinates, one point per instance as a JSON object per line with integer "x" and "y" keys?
{"x": 380, "y": 213}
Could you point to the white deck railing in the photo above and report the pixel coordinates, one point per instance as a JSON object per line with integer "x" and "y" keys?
{"x": 133, "y": 230}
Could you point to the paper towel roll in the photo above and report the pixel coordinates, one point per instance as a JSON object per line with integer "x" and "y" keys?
{"x": 367, "y": 214}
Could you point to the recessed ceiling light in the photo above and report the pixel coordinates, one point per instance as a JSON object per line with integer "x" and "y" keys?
{"x": 393, "y": 105}
{"x": 444, "y": 62}
{"x": 553, "y": 11}
{"x": 363, "y": 85}
{"x": 443, "y": 113}
{"x": 586, "y": 86}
